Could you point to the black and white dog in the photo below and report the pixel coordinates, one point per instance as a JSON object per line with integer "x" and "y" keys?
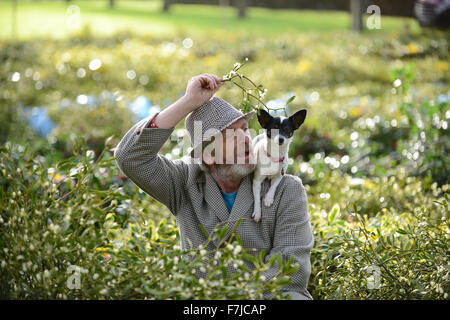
{"x": 271, "y": 152}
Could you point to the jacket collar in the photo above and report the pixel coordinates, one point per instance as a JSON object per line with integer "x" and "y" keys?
{"x": 242, "y": 203}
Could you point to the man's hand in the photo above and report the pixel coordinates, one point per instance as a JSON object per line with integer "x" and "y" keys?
{"x": 199, "y": 90}
{"x": 202, "y": 87}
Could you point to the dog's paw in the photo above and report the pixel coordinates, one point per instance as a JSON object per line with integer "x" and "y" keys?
{"x": 268, "y": 200}
{"x": 256, "y": 215}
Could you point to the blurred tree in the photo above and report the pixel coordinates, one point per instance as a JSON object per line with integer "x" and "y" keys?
{"x": 166, "y": 5}
{"x": 242, "y": 6}
{"x": 112, "y": 3}
{"x": 356, "y": 8}
{"x": 224, "y": 3}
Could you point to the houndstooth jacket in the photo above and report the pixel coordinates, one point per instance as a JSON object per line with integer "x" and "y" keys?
{"x": 194, "y": 198}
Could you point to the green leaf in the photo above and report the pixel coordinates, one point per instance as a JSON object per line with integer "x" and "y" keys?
{"x": 98, "y": 212}
{"x": 284, "y": 281}
{"x": 109, "y": 140}
{"x": 222, "y": 233}
{"x": 279, "y": 259}
{"x": 236, "y": 225}
{"x": 262, "y": 254}
{"x": 204, "y": 231}
{"x": 334, "y": 212}
{"x": 272, "y": 260}
{"x": 335, "y": 244}
{"x": 109, "y": 217}
{"x": 153, "y": 292}
{"x": 107, "y": 163}
{"x": 290, "y": 100}
{"x": 250, "y": 258}
{"x": 65, "y": 164}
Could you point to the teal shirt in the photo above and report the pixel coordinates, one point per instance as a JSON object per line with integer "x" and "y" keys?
{"x": 229, "y": 199}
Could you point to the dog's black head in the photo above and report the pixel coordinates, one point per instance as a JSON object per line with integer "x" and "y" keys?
{"x": 281, "y": 129}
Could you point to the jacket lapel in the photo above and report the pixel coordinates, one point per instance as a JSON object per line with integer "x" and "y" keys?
{"x": 242, "y": 203}
{"x": 215, "y": 199}
{"x": 244, "y": 200}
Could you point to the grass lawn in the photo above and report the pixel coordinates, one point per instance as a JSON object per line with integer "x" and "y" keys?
{"x": 49, "y": 18}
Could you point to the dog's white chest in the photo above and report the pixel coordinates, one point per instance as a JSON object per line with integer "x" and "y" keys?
{"x": 268, "y": 167}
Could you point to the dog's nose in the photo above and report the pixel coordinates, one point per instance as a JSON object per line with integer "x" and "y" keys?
{"x": 280, "y": 141}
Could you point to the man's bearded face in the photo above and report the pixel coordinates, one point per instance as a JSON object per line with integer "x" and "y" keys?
{"x": 234, "y": 154}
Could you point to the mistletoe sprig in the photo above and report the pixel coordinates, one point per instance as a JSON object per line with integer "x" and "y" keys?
{"x": 256, "y": 92}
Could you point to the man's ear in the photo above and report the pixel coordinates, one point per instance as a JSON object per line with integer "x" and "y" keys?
{"x": 298, "y": 118}
{"x": 264, "y": 118}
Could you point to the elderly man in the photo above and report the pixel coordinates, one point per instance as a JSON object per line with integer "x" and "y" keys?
{"x": 214, "y": 192}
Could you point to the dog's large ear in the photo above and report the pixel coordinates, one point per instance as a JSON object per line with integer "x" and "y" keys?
{"x": 298, "y": 118}
{"x": 264, "y": 118}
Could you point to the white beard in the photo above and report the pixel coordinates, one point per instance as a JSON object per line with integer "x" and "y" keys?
{"x": 232, "y": 172}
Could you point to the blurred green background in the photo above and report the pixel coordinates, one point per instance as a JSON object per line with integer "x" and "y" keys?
{"x": 145, "y": 16}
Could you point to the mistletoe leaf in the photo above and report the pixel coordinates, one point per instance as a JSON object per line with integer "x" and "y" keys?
{"x": 290, "y": 100}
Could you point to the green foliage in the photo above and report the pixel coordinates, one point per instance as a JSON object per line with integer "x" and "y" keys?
{"x": 64, "y": 202}
{"x": 427, "y": 148}
{"x": 54, "y": 218}
{"x": 371, "y": 195}
{"x": 393, "y": 255}
{"x": 415, "y": 141}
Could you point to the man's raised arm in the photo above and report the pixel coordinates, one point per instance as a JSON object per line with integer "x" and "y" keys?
{"x": 137, "y": 153}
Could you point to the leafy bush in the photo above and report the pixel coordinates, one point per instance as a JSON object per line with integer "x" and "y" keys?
{"x": 76, "y": 215}
{"x": 94, "y": 123}
{"x": 371, "y": 195}
{"x": 428, "y": 148}
{"x": 57, "y": 220}
{"x": 393, "y": 255}
{"x": 375, "y": 141}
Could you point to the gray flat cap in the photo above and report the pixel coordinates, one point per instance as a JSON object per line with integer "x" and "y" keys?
{"x": 212, "y": 117}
